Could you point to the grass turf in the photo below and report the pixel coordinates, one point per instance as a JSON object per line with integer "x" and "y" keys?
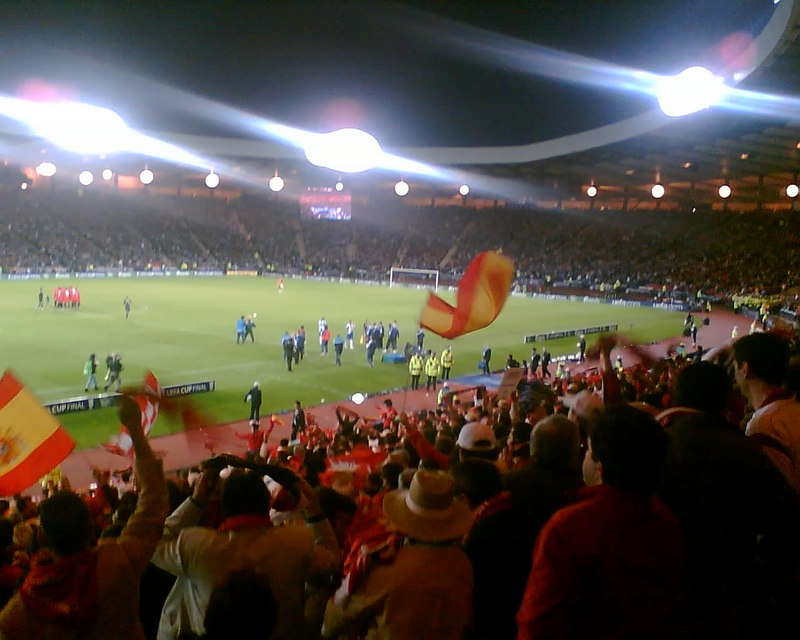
{"x": 183, "y": 329}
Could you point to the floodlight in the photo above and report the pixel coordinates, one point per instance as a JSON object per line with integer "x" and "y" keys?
{"x": 358, "y": 398}
{"x": 725, "y": 191}
{"x": 212, "y": 180}
{"x": 24, "y": 186}
{"x": 107, "y": 174}
{"x": 345, "y": 150}
{"x": 339, "y": 186}
{"x": 146, "y": 176}
{"x": 401, "y": 188}
{"x": 276, "y": 183}
{"x": 591, "y": 191}
{"x": 693, "y": 89}
{"x": 46, "y": 169}
{"x": 78, "y": 127}
{"x": 658, "y": 191}
{"x": 792, "y": 190}
{"x": 464, "y": 190}
{"x": 86, "y": 178}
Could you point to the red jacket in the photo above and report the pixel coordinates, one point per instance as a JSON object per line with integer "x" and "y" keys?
{"x": 608, "y": 566}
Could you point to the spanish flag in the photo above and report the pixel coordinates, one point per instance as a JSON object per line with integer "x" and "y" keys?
{"x": 32, "y": 442}
{"x": 482, "y": 292}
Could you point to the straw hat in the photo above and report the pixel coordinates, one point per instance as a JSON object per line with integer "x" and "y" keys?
{"x": 428, "y": 510}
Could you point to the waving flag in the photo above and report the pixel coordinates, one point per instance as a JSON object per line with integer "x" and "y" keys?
{"x": 32, "y": 442}
{"x": 482, "y": 292}
{"x": 148, "y": 401}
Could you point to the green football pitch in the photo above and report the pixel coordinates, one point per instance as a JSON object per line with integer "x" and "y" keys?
{"x": 183, "y": 329}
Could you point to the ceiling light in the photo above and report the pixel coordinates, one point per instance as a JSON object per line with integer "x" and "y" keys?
{"x": 146, "y": 177}
{"x": 276, "y": 183}
{"x": 658, "y": 191}
{"x": 46, "y": 169}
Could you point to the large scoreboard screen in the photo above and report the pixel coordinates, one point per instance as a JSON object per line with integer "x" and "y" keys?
{"x": 325, "y": 203}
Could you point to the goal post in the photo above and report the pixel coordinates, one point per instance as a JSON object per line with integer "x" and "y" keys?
{"x": 424, "y": 278}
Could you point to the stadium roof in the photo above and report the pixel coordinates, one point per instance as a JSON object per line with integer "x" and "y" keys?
{"x": 478, "y": 84}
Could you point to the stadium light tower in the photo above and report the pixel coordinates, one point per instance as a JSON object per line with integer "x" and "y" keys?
{"x": 693, "y": 89}
{"x": 464, "y": 190}
{"x": 46, "y": 169}
{"x": 724, "y": 191}
{"x": 339, "y": 186}
{"x": 792, "y": 190}
{"x": 401, "y": 188}
{"x": 591, "y": 191}
{"x": 107, "y": 174}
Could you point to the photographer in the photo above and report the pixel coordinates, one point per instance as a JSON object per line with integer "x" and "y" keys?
{"x": 201, "y": 557}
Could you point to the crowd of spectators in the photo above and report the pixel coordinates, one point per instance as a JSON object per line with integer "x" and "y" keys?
{"x": 723, "y": 254}
{"x": 660, "y": 500}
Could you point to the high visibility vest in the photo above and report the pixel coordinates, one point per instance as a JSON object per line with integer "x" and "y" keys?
{"x": 432, "y": 367}
{"x": 415, "y": 365}
{"x": 447, "y": 358}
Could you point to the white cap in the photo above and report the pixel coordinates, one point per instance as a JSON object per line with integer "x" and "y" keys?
{"x": 477, "y": 436}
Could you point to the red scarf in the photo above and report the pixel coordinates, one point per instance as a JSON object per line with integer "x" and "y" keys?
{"x": 62, "y": 590}
{"x": 246, "y": 521}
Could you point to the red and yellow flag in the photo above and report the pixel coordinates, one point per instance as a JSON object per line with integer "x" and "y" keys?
{"x": 482, "y": 292}
{"x": 32, "y": 442}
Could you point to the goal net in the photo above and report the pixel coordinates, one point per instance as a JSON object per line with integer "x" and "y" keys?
{"x": 420, "y": 278}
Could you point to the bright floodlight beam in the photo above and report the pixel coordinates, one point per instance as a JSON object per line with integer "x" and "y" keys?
{"x": 464, "y": 190}
{"x": 401, "y": 188}
{"x": 725, "y": 191}
{"x": 74, "y": 126}
{"x": 792, "y": 191}
{"x": 591, "y": 191}
{"x": 344, "y": 150}
{"x": 693, "y": 89}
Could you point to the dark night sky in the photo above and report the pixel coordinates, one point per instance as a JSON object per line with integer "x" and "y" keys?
{"x": 320, "y": 65}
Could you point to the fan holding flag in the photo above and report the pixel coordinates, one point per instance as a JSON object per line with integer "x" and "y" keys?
{"x": 148, "y": 401}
